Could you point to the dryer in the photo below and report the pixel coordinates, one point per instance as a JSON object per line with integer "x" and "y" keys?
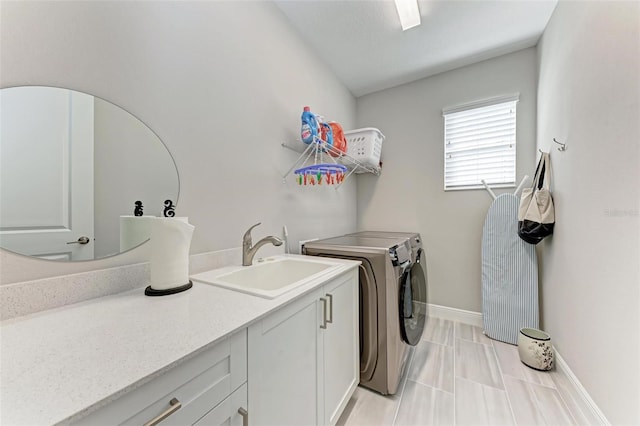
{"x": 414, "y": 296}
{"x": 384, "y": 271}
{"x": 415, "y": 240}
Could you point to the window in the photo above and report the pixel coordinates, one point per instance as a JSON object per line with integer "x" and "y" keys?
{"x": 480, "y": 144}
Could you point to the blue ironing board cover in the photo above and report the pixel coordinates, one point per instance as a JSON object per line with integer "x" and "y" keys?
{"x": 509, "y": 274}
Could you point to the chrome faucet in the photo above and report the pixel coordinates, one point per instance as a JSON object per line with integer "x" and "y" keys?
{"x": 248, "y": 251}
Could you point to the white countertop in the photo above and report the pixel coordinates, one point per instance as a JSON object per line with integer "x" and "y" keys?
{"x": 59, "y": 365}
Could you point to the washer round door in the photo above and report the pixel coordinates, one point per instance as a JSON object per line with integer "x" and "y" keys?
{"x": 413, "y": 302}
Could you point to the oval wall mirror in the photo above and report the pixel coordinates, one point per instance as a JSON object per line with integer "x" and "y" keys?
{"x": 72, "y": 167}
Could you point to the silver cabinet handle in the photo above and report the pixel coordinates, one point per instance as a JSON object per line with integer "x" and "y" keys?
{"x": 175, "y": 405}
{"x": 330, "y": 296}
{"x": 81, "y": 240}
{"x": 324, "y": 312}
{"x": 245, "y": 416}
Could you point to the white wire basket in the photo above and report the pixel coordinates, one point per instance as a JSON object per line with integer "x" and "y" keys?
{"x": 365, "y": 145}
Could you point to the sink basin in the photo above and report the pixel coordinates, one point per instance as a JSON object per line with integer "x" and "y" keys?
{"x": 269, "y": 278}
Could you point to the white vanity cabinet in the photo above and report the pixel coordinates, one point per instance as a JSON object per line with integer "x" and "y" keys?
{"x": 207, "y": 389}
{"x": 303, "y": 361}
{"x": 341, "y": 345}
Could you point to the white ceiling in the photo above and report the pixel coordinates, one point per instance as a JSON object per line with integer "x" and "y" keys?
{"x": 363, "y": 43}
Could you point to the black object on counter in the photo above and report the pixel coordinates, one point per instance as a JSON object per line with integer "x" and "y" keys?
{"x": 152, "y": 292}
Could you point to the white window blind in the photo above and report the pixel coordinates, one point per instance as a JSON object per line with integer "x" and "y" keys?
{"x": 480, "y": 143}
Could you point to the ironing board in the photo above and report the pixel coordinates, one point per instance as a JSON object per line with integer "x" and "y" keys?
{"x": 509, "y": 273}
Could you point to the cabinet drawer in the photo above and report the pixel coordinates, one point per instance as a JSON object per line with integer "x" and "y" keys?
{"x": 228, "y": 412}
{"x": 199, "y": 384}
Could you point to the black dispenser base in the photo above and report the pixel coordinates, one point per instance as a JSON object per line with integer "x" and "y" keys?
{"x": 152, "y": 292}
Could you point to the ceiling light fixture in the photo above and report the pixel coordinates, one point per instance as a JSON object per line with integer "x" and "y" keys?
{"x": 409, "y": 13}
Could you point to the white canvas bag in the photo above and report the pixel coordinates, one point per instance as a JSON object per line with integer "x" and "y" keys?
{"x": 536, "y": 215}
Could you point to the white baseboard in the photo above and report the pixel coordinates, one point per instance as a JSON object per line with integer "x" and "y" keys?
{"x": 455, "y": 314}
{"x": 579, "y": 390}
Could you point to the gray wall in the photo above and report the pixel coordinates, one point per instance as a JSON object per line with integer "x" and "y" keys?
{"x": 221, "y": 83}
{"x": 588, "y": 97}
{"x": 409, "y": 194}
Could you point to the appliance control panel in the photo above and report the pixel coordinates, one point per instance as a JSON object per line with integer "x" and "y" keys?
{"x": 400, "y": 253}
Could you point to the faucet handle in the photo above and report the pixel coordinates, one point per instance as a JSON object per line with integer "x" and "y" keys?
{"x": 247, "y": 235}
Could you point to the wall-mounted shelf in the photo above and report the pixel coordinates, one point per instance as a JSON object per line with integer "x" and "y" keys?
{"x": 319, "y": 152}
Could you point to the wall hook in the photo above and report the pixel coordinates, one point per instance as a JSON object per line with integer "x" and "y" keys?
{"x": 560, "y": 148}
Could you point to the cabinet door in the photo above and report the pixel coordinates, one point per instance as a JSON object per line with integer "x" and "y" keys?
{"x": 227, "y": 412}
{"x": 341, "y": 347}
{"x": 285, "y": 351}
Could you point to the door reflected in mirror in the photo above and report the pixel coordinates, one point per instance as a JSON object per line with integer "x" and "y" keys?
{"x": 72, "y": 167}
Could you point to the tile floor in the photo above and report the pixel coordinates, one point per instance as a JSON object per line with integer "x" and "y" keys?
{"x": 458, "y": 376}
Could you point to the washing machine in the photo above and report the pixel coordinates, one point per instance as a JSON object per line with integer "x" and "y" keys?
{"x": 414, "y": 296}
{"x": 384, "y": 280}
{"x": 415, "y": 240}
